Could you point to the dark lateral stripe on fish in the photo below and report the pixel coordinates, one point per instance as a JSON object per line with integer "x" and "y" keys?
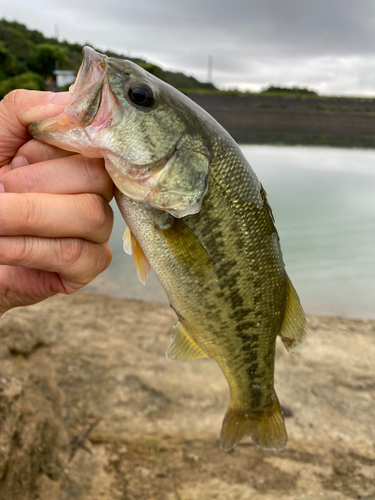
{"x": 228, "y": 277}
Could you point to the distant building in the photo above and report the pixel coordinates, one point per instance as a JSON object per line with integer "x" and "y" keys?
{"x": 64, "y": 77}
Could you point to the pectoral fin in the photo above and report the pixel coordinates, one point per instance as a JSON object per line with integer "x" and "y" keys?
{"x": 293, "y": 330}
{"x": 127, "y": 241}
{"x": 182, "y": 346}
{"x": 132, "y": 247}
{"x": 185, "y": 248}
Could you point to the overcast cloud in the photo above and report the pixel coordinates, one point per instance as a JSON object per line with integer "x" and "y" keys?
{"x": 327, "y": 45}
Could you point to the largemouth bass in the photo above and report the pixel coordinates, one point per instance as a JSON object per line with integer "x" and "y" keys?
{"x": 199, "y": 218}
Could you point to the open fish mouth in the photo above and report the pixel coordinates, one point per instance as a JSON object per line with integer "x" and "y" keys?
{"x": 91, "y": 70}
{"x": 92, "y": 102}
{"x": 92, "y": 107}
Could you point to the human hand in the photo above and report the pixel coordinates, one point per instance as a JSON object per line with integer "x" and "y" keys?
{"x": 55, "y": 220}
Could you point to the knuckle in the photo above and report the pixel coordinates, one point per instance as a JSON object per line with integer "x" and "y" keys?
{"x": 12, "y": 98}
{"x": 87, "y": 262}
{"x": 9, "y": 106}
{"x": 98, "y": 258}
{"x": 107, "y": 256}
{"x": 70, "y": 287}
{"x": 100, "y": 217}
{"x": 27, "y": 179}
{"x": 15, "y": 181}
{"x": 93, "y": 167}
{"x": 30, "y": 213}
{"x": 95, "y": 172}
{"x": 99, "y": 214}
{"x": 81, "y": 262}
{"x": 23, "y": 251}
{"x": 72, "y": 251}
{"x": 21, "y": 180}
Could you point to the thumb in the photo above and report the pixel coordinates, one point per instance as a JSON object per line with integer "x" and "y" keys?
{"x": 18, "y": 110}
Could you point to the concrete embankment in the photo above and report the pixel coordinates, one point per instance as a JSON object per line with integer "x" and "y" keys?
{"x": 254, "y": 119}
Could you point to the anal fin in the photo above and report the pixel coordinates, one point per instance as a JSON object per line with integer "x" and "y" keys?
{"x": 182, "y": 346}
{"x": 293, "y": 329}
{"x": 267, "y": 429}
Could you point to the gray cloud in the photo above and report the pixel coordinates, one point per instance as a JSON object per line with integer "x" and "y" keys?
{"x": 327, "y": 44}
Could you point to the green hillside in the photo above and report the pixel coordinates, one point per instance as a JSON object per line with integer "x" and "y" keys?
{"x": 28, "y": 58}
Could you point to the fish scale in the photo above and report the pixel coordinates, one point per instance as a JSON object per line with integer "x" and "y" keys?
{"x": 244, "y": 319}
{"x": 233, "y": 290}
{"x": 199, "y": 218}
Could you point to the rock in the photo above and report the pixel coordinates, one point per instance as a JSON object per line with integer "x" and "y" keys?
{"x": 91, "y": 409}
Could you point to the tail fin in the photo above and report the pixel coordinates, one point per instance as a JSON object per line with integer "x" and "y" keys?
{"x": 267, "y": 429}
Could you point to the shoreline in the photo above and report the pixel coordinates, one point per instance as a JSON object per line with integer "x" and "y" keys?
{"x": 262, "y": 119}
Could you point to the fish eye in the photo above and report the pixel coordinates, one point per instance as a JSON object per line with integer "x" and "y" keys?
{"x": 142, "y": 95}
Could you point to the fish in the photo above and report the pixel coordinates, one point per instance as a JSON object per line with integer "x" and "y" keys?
{"x": 198, "y": 216}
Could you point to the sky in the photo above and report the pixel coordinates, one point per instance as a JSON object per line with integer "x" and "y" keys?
{"x": 325, "y": 45}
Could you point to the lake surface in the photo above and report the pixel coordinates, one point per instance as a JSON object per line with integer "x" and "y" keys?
{"x": 323, "y": 200}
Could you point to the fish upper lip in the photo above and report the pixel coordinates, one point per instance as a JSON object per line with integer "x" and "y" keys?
{"x": 92, "y": 56}
{"x": 88, "y": 87}
{"x": 92, "y": 61}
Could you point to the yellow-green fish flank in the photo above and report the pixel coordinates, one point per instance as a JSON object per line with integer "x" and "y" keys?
{"x": 198, "y": 216}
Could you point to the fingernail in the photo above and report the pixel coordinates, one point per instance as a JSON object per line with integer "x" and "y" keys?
{"x": 18, "y": 161}
{"x": 2, "y": 190}
{"x": 60, "y": 98}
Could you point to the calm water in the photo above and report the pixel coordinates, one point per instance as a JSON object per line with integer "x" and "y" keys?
{"x": 323, "y": 200}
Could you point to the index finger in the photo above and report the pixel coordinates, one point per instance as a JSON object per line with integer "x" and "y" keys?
{"x": 18, "y": 110}
{"x": 68, "y": 175}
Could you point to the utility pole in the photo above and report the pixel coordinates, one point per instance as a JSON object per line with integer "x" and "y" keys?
{"x": 209, "y": 75}
{"x": 57, "y": 32}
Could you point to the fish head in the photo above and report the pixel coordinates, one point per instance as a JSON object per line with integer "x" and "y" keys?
{"x": 156, "y": 147}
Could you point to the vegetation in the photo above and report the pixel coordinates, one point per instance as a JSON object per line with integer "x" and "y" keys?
{"x": 28, "y": 80}
{"x": 288, "y": 91}
{"x": 27, "y": 58}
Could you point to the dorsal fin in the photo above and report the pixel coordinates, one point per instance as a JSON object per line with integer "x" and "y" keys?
{"x": 182, "y": 346}
{"x": 293, "y": 329}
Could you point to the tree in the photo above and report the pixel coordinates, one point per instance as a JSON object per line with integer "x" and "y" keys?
{"x": 46, "y": 56}
{"x": 8, "y": 63}
{"x": 28, "y": 80}
{"x": 17, "y": 45}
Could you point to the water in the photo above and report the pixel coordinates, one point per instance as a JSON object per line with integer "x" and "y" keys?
{"x": 323, "y": 200}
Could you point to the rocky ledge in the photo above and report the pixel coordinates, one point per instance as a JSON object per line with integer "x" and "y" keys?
{"x": 90, "y": 409}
